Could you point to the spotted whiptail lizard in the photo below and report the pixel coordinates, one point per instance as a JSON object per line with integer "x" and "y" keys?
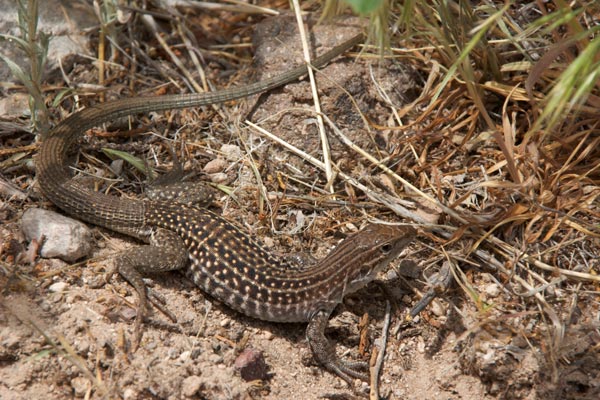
{"x": 217, "y": 255}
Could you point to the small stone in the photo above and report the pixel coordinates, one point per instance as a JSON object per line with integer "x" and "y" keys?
{"x": 10, "y": 340}
{"x": 214, "y": 166}
{"x": 129, "y": 394}
{"x": 82, "y": 346}
{"x": 391, "y": 275}
{"x": 231, "y": 152}
{"x": 191, "y": 385}
{"x": 492, "y": 290}
{"x": 395, "y": 370}
{"x": 185, "y": 355}
{"x": 219, "y": 177}
{"x": 58, "y": 287}
{"x": 421, "y": 346}
{"x": 80, "y": 386}
{"x": 195, "y": 353}
{"x": 117, "y": 167}
{"x": 251, "y": 365}
{"x": 268, "y": 335}
{"x": 151, "y": 346}
{"x": 437, "y": 309}
{"x": 495, "y": 388}
{"x": 127, "y": 313}
{"x": 96, "y": 281}
{"x": 225, "y": 322}
{"x": 215, "y": 359}
{"x": 173, "y": 353}
{"x": 268, "y": 242}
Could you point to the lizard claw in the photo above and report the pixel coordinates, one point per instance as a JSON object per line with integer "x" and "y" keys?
{"x": 325, "y": 354}
{"x": 348, "y": 370}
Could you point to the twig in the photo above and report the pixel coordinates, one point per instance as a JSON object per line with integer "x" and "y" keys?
{"x": 9, "y": 190}
{"x": 376, "y": 369}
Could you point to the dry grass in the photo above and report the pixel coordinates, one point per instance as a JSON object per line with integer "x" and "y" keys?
{"x": 507, "y": 136}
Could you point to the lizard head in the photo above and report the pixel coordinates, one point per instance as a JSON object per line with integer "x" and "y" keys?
{"x": 362, "y": 255}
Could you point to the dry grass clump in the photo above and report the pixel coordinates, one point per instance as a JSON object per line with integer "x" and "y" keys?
{"x": 505, "y": 135}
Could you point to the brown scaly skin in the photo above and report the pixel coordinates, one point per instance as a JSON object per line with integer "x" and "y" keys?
{"x": 216, "y": 254}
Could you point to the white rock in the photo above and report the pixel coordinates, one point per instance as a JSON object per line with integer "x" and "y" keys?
{"x": 58, "y": 287}
{"x": 63, "y": 237}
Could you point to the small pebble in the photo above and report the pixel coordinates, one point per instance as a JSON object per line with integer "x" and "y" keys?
{"x": 185, "y": 355}
{"x": 117, "y": 167}
{"x": 268, "y": 242}
{"x": 82, "y": 346}
{"x": 214, "y": 166}
{"x": 80, "y": 386}
{"x": 251, "y": 365}
{"x": 391, "y": 275}
{"x": 268, "y": 335}
{"x": 421, "y": 346}
{"x": 129, "y": 394}
{"x": 191, "y": 386}
{"x": 58, "y": 287}
{"x": 225, "y": 322}
{"x": 10, "y": 340}
{"x": 231, "y": 152}
{"x": 437, "y": 309}
{"x": 128, "y": 313}
{"x": 492, "y": 290}
{"x": 173, "y": 353}
{"x": 215, "y": 359}
{"x": 219, "y": 177}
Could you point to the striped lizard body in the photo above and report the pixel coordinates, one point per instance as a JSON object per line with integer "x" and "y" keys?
{"x": 216, "y": 254}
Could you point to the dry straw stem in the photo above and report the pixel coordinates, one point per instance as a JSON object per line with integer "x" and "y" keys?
{"x": 319, "y": 164}
{"x": 445, "y": 25}
{"x": 516, "y": 156}
{"x": 315, "y": 95}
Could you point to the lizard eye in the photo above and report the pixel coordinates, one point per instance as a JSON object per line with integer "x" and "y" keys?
{"x": 386, "y": 248}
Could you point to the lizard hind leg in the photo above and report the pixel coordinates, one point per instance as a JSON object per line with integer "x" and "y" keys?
{"x": 166, "y": 252}
{"x": 172, "y": 187}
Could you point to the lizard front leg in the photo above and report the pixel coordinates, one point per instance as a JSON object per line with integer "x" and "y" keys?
{"x": 324, "y": 351}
